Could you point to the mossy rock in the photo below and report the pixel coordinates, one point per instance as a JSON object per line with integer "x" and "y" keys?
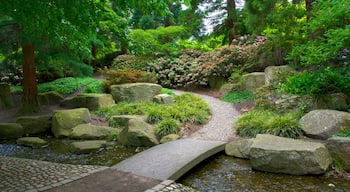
{"x": 90, "y": 101}
{"x": 34, "y": 142}
{"x": 6, "y": 99}
{"x": 83, "y": 147}
{"x": 135, "y": 92}
{"x": 64, "y": 121}
{"x": 11, "y": 130}
{"x": 50, "y": 98}
{"x": 87, "y": 132}
{"x": 168, "y": 138}
{"x": 34, "y": 125}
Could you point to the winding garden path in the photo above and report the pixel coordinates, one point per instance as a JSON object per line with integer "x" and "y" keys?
{"x": 220, "y": 126}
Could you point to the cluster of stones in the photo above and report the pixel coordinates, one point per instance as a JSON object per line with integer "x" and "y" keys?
{"x": 170, "y": 186}
{"x": 74, "y": 122}
{"x": 296, "y": 156}
{"x": 30, "y": 175}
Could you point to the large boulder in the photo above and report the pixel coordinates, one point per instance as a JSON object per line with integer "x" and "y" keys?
{"x": 322, "y": 124}
{"x": 64, "y": 121}
{"x": 83, "y": 147}
{"x": 239, "y": 148}
{"x": 332, "y": 101}
{"x": 275, "y": 73}
{"x": 50, "y": 98}
{"x": 6, "y": 99}
{"x": 11, "y": 131}
{"x": 34, "y": 142}
{"x": 134, "y": 92}
{"x": 339, "y": 148}
{"x": 34, "y": 125}
{"x": 251, "y": 81}
{"x": 228, "y": 88}
{"x": 90, "y": 101}
{"x": 164, "y": 99}
{"x": 283, "y": 155}
{"x": 123, "y": 120}
{"x": 138, "y": 133}
{"x": 88, "y": 131}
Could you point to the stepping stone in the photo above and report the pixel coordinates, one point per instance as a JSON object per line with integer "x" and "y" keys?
{"x": 88, "y": 146}
{"x": 34, "y": 142}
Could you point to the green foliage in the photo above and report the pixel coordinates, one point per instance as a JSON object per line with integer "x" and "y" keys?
{"x": 187, "y": 108}
{"x": 115, "y": 77}
{"x": 167, "y": 127}
{"x": 238, "y": 97}
{"x": 344, "y": 132}
{"x": 319, "y": 82}
{"x": 327, "y": 37}
{"x": 167, "y": 91}
{"x": 114, "y": 135}
{"x": 212, "y": 43}
{"x": 151, "y": 41}
{"x": 64, "y": 86}
{"x": 266, "y": 122}
{"x": 95, "y": 87}
{"x": 131, "y": 62}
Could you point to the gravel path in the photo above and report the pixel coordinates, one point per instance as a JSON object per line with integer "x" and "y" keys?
{"x": 220, "y": 126}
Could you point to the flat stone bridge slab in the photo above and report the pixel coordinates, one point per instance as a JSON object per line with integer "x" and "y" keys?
{"x": 170, "y": 160}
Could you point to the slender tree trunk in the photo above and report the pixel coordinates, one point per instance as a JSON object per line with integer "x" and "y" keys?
{"x": 93, "y": 53}
{"x": 308, "y": 8}
{"x": 30, "y": 102}
{"x": 231, "y": 19}
{"x": 123, "y": 47}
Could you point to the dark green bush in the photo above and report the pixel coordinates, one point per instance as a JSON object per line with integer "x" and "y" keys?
{"x": 267, "y": 122}
{"x": 319, "y": 82}
{"x": 64, "y": 86}
{"x": 167, "y": 127}
{"x": 131, "y": 62}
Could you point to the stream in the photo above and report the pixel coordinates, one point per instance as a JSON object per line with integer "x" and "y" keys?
{"x": 218, "y": 173}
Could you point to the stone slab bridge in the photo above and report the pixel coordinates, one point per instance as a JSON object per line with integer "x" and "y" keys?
{"x": 170, "y": 161}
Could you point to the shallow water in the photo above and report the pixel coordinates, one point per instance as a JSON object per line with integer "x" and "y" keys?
{"x": 223, "y": 173}
{"x": 59, "y": 151}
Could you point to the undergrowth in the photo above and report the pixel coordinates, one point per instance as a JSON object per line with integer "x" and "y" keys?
{"x": 238, "y": 97}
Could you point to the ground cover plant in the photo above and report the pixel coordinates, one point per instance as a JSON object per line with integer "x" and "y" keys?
{"x": 268, "y": 122}
{"x": 238, "y": 96}
{"x": 63, "y": 86}
{"x": 187, "y": 108}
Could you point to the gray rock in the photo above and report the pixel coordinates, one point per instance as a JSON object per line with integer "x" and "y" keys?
{"x": 134, "y": 92}
{"x": 273, "y": 73}
{"x": 322, "y": 124}
{"x": 33, "y": 125}
{"x": 34, "y": 142}
{"x": 251, "y": 81}
{"x": 11, "y": 131}
{"x": 164, "y": 99}
{"x": 228, "y": 88}
{"x": 239, "y": 148}
{"x": 83, "y": 147}
{"x": 6, "y": 99}
{"x": 138, "y": 133}
{"x": 332, "y": 101}
{"x": 168, "y": 138}
{"x": 50, "y": 98}
{"x": 64, "y": 121}
{"x": 283, "y": 155}
{"x": 90, "y": 132}
{"x": 122, "y": 120}
{"x": 90, "y": 101}
{"x": 339, "y": 148}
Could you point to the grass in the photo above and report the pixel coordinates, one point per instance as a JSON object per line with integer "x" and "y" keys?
{"x": 267, "y": 122}
{"x": 187, "y": 108}
{"x": 63, "y": 86}
{"x": 167, "y": 127}
{"x": 238, "y": 97}
{"x": 344, "y": 132}
{"x": 95, "y": 87}
{"x": 167, "y": 91}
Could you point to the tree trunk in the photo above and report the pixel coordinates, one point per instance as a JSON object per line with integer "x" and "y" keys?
{"x": 308, "y": 8}
{"x": 93, "y": 53}
{"x": 30, "y": 102}
{"x": 231, "y": 19}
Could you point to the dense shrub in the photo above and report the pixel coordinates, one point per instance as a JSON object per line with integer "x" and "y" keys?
{"x": 266, "y": 122}
{"x": 95, "y": 87}
{"x": 64, "y": 86}
{"x": 114, "y": 77}
{"x": 167, "y": 127}
{"x": 11, "y": 73}
{"x": 131, "y": 62}
{"x": 318, "y": 82}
